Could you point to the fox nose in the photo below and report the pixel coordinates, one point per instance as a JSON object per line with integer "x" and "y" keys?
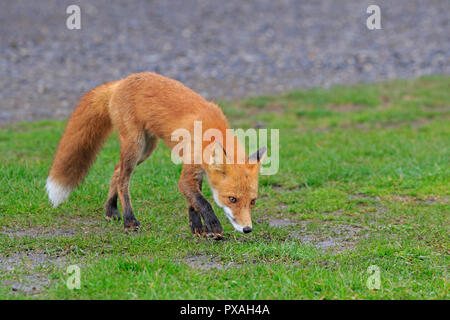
{"x": 247, "y": 229}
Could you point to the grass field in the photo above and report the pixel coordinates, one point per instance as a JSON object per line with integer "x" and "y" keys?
{"x": 363, "y": 181}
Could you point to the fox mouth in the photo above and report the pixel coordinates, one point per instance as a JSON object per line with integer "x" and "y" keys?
{"x": 233, "y": 220}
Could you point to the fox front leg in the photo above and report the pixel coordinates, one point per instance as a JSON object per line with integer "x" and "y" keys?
{"x": 195, "y": 222}
{"x": 212, "y": 223}
{"x": 190, "y": 185}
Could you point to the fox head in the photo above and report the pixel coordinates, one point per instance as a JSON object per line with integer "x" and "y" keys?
{"x": 235, "y": 186}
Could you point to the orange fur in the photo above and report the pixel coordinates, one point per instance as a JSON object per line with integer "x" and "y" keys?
{"x": 144, "y": 108}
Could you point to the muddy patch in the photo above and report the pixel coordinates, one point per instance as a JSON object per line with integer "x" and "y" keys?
{"x": 259, "y": 125}
{"x": 26, "y": 274}
{"x": 405, "y": 199}
{"x": 346, "y": 107}
{"x": 336, "y": 213}
{"x": 29, "y": 261}
{"x": 362, "y": 196}
{"x": 41, "y": 233}
{"x": 329, "y": 236}
{"x": 205, "y": 262}
{"x": 279, "y": 187}
{"x": 77, "y": 227}
{"x": 29, "y": 284}
{"x": 278, "y": 223}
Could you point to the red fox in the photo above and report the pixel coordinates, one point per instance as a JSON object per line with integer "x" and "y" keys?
{"x": 144, "y": 108}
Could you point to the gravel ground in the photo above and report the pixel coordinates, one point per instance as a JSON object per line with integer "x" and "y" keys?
{"x": 222, "y": 49}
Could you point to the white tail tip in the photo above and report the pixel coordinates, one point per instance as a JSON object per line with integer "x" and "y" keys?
{"x": 57, "y": 193}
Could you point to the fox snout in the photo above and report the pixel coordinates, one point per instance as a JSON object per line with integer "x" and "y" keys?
{"x": 241, "y": 221}
{"x": 244, "y": 227}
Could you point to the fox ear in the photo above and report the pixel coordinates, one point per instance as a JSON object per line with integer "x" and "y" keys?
{"x": 259, "y": 155}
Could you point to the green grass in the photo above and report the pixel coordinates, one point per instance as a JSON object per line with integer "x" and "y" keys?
{"x": 363, "y": 180}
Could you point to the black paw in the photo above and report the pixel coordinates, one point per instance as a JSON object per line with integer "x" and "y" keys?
{"x": 195, "y": 222}
{"x": 212, "y": 224}
{"x": 131, "y": 224}
{"x": 214, "y": 228}
{"x": 112, "y": 213}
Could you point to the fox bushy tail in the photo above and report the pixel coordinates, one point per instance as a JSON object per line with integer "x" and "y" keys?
{"x": 88, "y": 128}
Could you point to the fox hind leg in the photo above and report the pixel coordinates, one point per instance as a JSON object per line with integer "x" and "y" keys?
{"x": 132, "y": 153}
{"x": 128, "y": 162}
{"x": 112, "y": 212}
{"x": 151, "y": 141}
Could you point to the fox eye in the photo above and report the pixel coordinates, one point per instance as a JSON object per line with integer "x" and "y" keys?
{"x": 232, "y": 199}
{"x": 252, "y": 203}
